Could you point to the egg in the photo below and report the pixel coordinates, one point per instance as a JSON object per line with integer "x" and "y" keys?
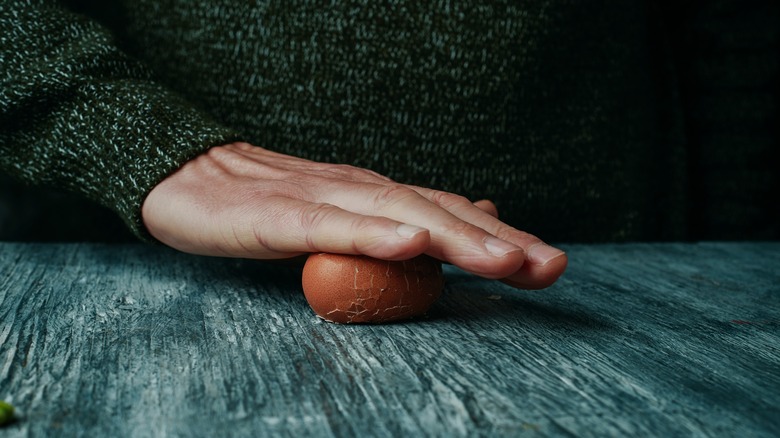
{"x": 360, "y": 289}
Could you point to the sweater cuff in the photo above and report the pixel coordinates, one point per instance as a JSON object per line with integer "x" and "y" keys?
{"x": 78, "y": 114}
{"x": 148, "y": 143}
{"x": 116, "y": 149}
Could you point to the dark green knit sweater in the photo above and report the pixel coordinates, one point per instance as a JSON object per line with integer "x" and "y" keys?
{"x": 591, "y": 120}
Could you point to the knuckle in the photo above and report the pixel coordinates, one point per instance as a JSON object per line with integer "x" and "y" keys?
{"x": 360, "y": 232}
{"x": 352, "y": 173}
{"x": 460, "y": 228}
{"x": 337, "y": 168}
{"x": 504, "y": 231}
{"x": 448, "y": 200}
{"x": 229, "y": 160}
{"x": 220, "y": 153}
{"x": 361, "y": 226}
{"x": 342, "y": 171}
{"x": 263, "y": 239}
{"x": 393, "y": 194}
{"x": 516, "y": 236}
{"x": 314, "y": 215}
{"x": 312, "y": 219}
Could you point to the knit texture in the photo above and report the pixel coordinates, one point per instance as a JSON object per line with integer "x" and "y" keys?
{"x": 77, "y": 114}
{"x": 584, "y": 121}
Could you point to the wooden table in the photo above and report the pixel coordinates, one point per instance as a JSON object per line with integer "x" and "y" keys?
{"x": 639, "y": 339}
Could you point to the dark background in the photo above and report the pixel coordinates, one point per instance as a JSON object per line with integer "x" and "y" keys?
{"x": 724, "y": 57}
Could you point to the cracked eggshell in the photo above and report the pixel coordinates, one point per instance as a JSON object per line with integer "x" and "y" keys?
{"x": 360, "y": 289}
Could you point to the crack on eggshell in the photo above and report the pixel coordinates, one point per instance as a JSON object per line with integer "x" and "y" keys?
{"x": 378, "y": 294}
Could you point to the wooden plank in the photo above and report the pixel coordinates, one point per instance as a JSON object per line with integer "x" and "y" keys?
{"x": 640, "y": 339}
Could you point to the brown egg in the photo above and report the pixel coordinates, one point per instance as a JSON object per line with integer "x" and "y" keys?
{"x": 360, "y": 289}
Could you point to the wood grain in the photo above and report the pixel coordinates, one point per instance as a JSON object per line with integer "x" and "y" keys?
{"x": 640, "y": 339}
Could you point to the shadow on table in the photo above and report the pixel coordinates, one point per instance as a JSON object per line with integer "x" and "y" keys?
{"x": 486, "y": 301}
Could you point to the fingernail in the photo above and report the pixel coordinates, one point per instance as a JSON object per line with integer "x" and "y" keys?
{"x": 408, "y": 231}
{"x": 498, "y": 247}
{"x": 542, "y": 253}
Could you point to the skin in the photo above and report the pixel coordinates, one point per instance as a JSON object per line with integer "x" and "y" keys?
{"x": 240, "y": 200}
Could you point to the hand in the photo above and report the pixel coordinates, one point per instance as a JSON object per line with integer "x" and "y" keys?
{"x": 240, "y": 200}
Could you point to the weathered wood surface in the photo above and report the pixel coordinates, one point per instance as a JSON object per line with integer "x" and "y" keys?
{"x": 664, "y": 340}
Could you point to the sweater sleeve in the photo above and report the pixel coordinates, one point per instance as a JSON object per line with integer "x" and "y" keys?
{"x": 78, "y": 114}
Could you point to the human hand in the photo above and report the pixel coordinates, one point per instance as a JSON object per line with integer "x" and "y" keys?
{"x": 240, "y": 200}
